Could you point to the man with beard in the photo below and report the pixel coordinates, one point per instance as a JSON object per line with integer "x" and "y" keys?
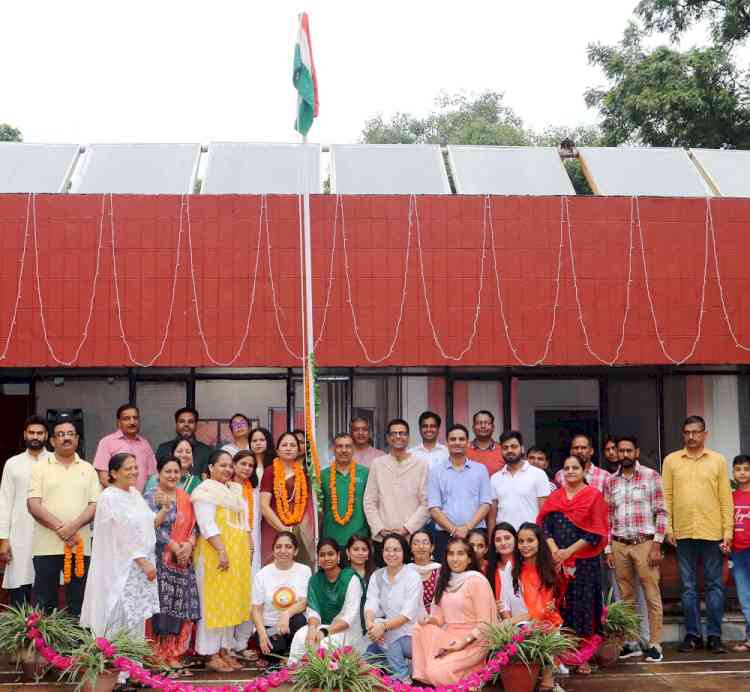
{"x": 580, "y": 447}
{"x": 518, "y": 489}
{"x": 62, "y": 498}
{"x": 185, "y": 423}
{"x": 16, "y": 524}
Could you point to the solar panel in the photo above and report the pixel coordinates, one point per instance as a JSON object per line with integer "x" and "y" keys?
{"x": 658, "y": 172}
{"x": 36, "y": 167}
{"x": 508, "y": 171}
{"x": 258, "y": 168}
{"x": 141, "y": 169}
{"x": 388, "y": 169}
{"x": 727, "y": 171}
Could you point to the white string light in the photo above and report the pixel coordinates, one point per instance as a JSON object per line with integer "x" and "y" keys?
{"x": 17, "y": 301}
{"x": 697, "y": 338}
{"x": 628, "y": 285}
{"x": 87, "y": 323}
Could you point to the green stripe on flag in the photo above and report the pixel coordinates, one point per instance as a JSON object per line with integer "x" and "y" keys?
{"x": 303, "y": 83}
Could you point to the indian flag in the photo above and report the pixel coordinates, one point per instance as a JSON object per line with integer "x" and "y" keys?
{"x": 304, "y": 79}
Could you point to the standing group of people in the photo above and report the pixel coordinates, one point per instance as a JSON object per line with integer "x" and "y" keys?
{"x": 419, "y": 547}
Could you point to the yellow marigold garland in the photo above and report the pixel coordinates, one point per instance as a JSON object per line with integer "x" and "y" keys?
{"x": 68, "y": 561}
{"x": 341, "y": 521}
{"x": 247, "y": 491}
{"x": 289, "y": 517}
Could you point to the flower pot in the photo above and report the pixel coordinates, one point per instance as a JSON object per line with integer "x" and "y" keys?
{"x": 102, "y": 683}
{"x": 608, "y": 654}
{"x": 33, "y": 666}
{"x": 517, "y": 677}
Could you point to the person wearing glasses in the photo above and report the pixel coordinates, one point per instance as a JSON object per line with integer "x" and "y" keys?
{"x": 62, "y": 499}
{"x": 396, "y": 493}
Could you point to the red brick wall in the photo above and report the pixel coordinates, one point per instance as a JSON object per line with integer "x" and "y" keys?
{"x": 224, "y": 232}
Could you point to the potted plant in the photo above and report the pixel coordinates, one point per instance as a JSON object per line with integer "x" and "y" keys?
{"x": 532, "y": 647}
{"x": 92, "y": 660}
{"x": 620, "y": 623}
{"x": 328, "y": 669}
{"x": 58, "y": 630}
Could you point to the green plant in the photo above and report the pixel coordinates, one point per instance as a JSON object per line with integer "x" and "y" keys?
{"x": 335, "y": 669}
{"x": 538, "y": 644}
{"x": 620, "y": 619}
{"x": 58, "y": 630}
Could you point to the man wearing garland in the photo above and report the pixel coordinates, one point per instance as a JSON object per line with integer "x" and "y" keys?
{"x": 343, "y": 484}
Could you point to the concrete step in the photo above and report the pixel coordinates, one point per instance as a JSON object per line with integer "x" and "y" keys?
{"x": 732, "y": 628}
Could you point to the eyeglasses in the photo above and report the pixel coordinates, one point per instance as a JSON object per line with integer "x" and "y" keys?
{"x": 65, "y": 433}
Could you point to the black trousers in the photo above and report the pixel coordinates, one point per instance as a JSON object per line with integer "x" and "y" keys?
{"x": 440, "y": 539}
{"x": 47, "y": 570}
{"x": 19, "y": 595}
{"x": 281, "y": 643}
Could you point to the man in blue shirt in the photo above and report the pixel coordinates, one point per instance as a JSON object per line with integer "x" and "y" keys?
{"x": 458, "y": 492}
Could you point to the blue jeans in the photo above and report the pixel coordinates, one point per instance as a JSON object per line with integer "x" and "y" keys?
{"x": 741, "y": 575}
{"x": 396, "y": 656}
{"x": 688, "y": 552}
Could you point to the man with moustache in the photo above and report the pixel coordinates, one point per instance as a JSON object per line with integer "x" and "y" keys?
{"x": 16, "y": 524}
{"x": 483, "y": 447}
{"x": 62, "y": 499}
{"x": 580, "y": 447}
{"x": 185, "y": 423}
{"x": 364, "y": 453}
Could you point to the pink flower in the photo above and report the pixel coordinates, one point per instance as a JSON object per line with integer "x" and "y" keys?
{"x": 333, "y": 665}
{"x": 347, "y": 650}
{"x": 33, "y": 633}
{"x": 517, "y": 638}
{"x": 512, "y": 649}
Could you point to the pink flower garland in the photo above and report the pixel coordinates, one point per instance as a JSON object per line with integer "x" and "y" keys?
{"x": 472, "y": 682}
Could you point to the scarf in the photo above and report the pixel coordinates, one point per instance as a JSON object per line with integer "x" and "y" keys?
{"x": 499, "y": 569}
{"x": 586, "y": 511}
{"x": 182, "y": 528}
{"x": 427, "y": 569}
{"x": 327, "y": 598}
{"x": 458, "y": 579}
{"x": 538, "y": 598}
{"x": 227, "y": 495}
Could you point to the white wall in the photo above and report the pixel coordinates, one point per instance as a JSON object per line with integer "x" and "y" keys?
{"x": 414, "y": 400}
{"x": 722, "y": 414}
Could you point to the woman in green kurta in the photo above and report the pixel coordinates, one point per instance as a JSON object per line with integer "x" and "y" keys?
{"x": 183, "y": 452}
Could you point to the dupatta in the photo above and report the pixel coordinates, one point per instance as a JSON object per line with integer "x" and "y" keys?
{"x": 183, "y": 526}
{"x": 327, "y": 598}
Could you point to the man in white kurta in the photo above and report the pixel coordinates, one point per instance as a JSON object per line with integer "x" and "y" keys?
{"x": 16, "y": 524}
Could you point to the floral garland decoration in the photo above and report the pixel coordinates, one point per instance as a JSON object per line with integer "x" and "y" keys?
{"x": 68, "y": 560}
{"x": 499, "y": 660}
{"x": 342, "y": 521}
{"x": 289, "y": 517}
{"x": 247, "y": 491}
{"x": 313, "y": 458}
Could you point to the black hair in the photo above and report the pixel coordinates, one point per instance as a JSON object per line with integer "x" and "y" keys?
{"x": 332, "y": 544}
{"x": 457, "y": 426}
{"x": 581, "y": 464}
{"x": 214, "y": 457}
{"x": 289, "y": 433}
{"x": 176, "y": 443}
{"x": 61, "y": 420}
{"x": 341, "y": 435}
{"x": 116, "y": 461}
{"x": 270, "y": 454}
{"x": 161, "y": 463}
{"x": 477, "y": 532}
{"x": 370, "y": 564}
{"x": 607, "y": 439}
{"x": 402, "y": 542}
{"x": 445, "y": 571}
{"x": 691, "y": 420}
{"x": 429, "y": 414}
{"x": 299, "y": 431}
{"x": 511, "y": 435}
{"x": 244, "y": 454}
{"x": 627, "y": 438}
{"x": 359, "y": 419}
{"x": 741, "y": 459}
{"x": 285, "y": 534}
{"x": 396, "y": 421}
{"x": 186, "y": 409}
{"x": 418, "y": 531}
{"x": 580, "y": 434}
{"x": 483, "y": 412}
{"x": 240, "y": 415}
{"x": 538, "y": 450}
{"x": 545, "y": 565}
{"x": 494, "y": 557}
{"x": 125, "y": 407}
{"x": 35, "y": 420}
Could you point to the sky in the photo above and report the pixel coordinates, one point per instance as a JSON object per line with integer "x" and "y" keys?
{"x": 167, "y": 71}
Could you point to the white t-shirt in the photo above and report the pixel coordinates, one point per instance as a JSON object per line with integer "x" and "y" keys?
{"x": 518, "y": 495}
{"x": 277, "y": 589}
{"x": 432, "y": 456}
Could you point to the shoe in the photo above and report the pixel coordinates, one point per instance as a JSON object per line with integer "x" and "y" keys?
{"x": 654, "y": 655}
{"x": 691, "y": 643}
{"x": 630, "y": 651}
{"x": 562, "y": 669}
{"x": 715, "y": 646}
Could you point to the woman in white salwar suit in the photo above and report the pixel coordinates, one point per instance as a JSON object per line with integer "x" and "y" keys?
{"x": 121, "y": 591}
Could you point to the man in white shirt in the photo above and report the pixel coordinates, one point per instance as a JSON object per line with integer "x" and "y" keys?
{"x": 432, "y": 451}
{"x": 16, "y": 524}
{"x": 519, "y": 489}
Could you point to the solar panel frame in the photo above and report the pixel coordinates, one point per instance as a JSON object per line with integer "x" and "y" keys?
{"x": 268, "y": 179}
{"x": 725, "y": 170}
{"x": 391, "y": 179}
{"x": 523, "y": 180}
{"x": 54, "y": 181}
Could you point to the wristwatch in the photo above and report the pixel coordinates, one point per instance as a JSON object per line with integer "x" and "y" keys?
{"x": 324, "y": 630}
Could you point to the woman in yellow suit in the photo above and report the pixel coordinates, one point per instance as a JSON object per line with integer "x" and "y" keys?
{"x": 223, "y": 556}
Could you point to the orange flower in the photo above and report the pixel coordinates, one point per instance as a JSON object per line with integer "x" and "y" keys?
{"x": 247, "y": 491}
{"x": 289, "y": 517}
{"x": 68, "y": 561}
{"x": 341, "y": 521}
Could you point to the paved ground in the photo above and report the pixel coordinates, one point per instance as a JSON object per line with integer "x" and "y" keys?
{"x": 699, "y": 672}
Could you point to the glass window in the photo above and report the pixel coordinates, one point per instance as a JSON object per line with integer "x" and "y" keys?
{"x": 633, "y": 410}
{"x": 157, "y": 402}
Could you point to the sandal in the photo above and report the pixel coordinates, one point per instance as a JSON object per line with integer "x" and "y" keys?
{"x": 247, "y": 655}
{"x": 741, "y": 647}
{"x": 218, "y": 665}
{"x": 584, "y": 669}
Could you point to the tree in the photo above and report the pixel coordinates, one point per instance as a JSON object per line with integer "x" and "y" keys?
{"x": 9, "y": 133}
{"x": 665, "y": 97}
{"x": 729, "y": 19}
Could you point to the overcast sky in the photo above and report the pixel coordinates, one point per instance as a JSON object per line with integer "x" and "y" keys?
{"x": 167, "y": 71}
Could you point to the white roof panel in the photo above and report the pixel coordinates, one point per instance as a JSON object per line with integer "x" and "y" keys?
{"x": 658, "y": 172}
{"x": 35, "y": 167}
{"x": 728, "y": 171}
{"x": 140, "y": 169}
{"x": 388, "y": 169}
{"x": 481, "y": 170}
{"x": 260, "y": 168}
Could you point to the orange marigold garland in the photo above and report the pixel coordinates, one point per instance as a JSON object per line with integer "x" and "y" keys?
{"x": 341, "y": 521}
{"x": 68, "y": 561}
{"x": 247, "y": 491}
{"x": 289, "y": 517}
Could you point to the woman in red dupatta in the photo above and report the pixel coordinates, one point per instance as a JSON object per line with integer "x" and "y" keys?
{"x": 574, "y": 521}
{"x": 172, "y": 627}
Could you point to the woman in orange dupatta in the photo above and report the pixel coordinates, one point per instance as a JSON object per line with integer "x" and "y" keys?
{"x": 172, "y": 627}
{"x": 575, "y": 523}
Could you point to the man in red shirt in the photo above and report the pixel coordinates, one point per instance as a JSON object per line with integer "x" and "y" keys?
{"x": 741, "y": 542}
{"x": 483, "y": 448}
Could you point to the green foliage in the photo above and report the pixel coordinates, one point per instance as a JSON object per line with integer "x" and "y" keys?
{"x": 59, "y": 630}
{"x": 729, "y": 19}
{"x": 8, "y": 133}
{"x": 540, "y": 646}
{"x": 664, "y": 97}
{"x": 334, "y": 669}
{"x": 621, "y": 620}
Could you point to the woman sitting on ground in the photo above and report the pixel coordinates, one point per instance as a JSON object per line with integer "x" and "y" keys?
{"x": 334, "y": 600}
{"x": 421, "y": 551}
{"x": 280, "y": 598}
{"x": 360, "y": 557}
{"x": 450, "y": 643}
{"x": 500, "y": 570}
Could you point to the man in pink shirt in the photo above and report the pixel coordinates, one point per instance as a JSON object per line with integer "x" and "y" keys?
{"x": 126, "y": 439}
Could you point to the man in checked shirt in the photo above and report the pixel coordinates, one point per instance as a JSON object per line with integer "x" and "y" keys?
{"x": 637, "y": 525}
